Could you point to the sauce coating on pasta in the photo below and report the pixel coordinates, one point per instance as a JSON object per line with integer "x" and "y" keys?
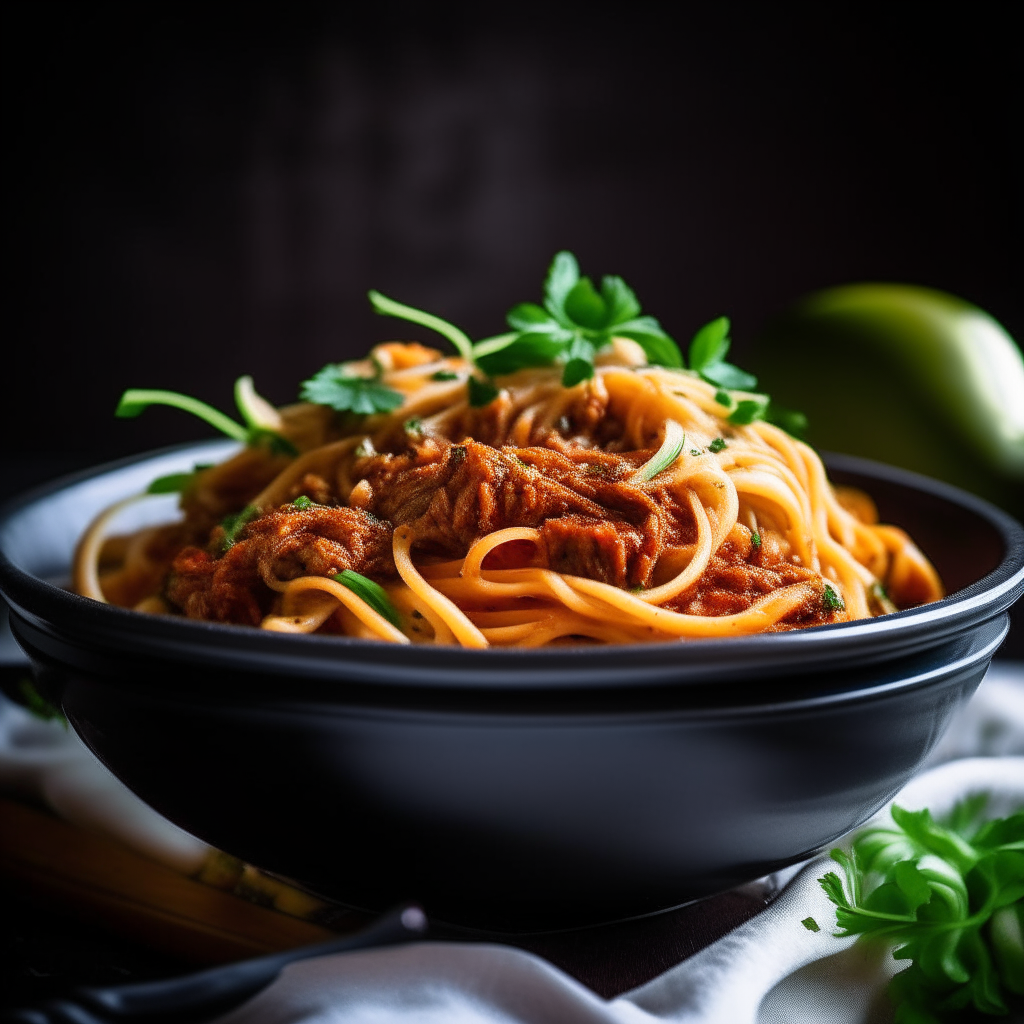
{"x": 550, "y": 514}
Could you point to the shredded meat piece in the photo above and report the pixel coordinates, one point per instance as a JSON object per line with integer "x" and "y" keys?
{"x": 592, "y": 522}
{"x": 731, "y": 584}
{"x": 281, "y": 544}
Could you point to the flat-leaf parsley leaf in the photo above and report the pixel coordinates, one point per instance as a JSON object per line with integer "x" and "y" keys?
{"x": 338, "y": 388}
{"x": 949, "y": 896}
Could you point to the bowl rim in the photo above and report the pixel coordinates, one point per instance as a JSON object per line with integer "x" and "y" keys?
{"x": 78, "y": 624}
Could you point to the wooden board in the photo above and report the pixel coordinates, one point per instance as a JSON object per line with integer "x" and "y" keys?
{"x": 97, "y": 878}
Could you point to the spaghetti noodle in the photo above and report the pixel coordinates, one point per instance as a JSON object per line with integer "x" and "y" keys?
{"x": 625, "y": 508}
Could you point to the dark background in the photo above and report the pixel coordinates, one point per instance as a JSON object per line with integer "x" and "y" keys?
{"x": 199, "y": 194}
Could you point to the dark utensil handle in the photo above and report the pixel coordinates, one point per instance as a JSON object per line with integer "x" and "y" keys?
{"x": 205, "y": 994}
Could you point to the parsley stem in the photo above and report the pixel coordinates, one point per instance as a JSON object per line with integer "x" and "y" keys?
{"x": 134, "y": 400}
{"x": 388, "y": 307}
{"x": 495, "y": 344}
{"x": 669, "y": 451}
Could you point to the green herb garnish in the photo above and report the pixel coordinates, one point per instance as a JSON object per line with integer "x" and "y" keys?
{"x": 388, "y": 307}
{"x": 810, "y": 924}
{"x": 749, "y": 409}
{"x": 481, "y": 392}
{"x": 371, "y": 593}
{"x": 338, "y": 388}
{"x": 881, "y": 596}
{"x": 36, "y": 704}
{"x": 950, "y": 897}
{"x": 717, "y": 445}
{"x": 755, "y": 539}
{"x": 444, "y": 375}
{"x": 707, "y": 354}
{"x": 832, "y": 599}
{"x": 234, "y": 524}
{"x": 174, "y": 483}
{"x": 669, "y": 451}
{"x": 303, "y": 501}
{"x": 135, "y": 400}
{"x": 413, "y": 426}
{"x": 575, "y": 321}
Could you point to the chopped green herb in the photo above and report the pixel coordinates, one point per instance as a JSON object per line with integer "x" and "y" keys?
{"x": 37, "y": 705}
{"x": 881, "y": 596}
{"x": 233, "y": 525}
{"x": 695, "y": 451}
{"x": 575, "y": 321}
{"x": 724, "y": 398}
{"x": 303, "y": 502}
{"x": 810, "y": 924}
{"x": 748, "y": 410}
{"x": 755, "y": 539}
{"x": 637, "y": 590}
{"x": 413, "y": 425}
{"x": 337, "y": 388}
{"x": 949, "y": 896}
{"x": 371, "y": 593}
{"x": 135, "y": 400}
{"x": 579, "y": 364}
{"x": 257, "y": 412}
{"x": 388, "y": 307}
{"x": 171, "y": 484}
{"x": 708, "y": 350}
{"x": 278, "y": 444}
{"x": 832, "y": 599}
{"x": 444, "y": 375}
{"x": 481, "y": 392}
{"x": 669, "y": 451}
{"x": 717, "y": 445}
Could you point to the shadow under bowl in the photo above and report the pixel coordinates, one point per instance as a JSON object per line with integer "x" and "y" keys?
{"x": 513, "y": 790}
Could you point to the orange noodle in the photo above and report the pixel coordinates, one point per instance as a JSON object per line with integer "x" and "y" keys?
{"x": 625, "y": 508}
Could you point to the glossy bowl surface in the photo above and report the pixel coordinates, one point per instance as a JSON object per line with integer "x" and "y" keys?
{"x": 513, "y": 789}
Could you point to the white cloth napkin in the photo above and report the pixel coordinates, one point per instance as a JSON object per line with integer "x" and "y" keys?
{"x": 770, "y": 970}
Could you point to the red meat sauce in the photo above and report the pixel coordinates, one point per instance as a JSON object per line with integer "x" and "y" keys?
{"x": 592, "y": 523}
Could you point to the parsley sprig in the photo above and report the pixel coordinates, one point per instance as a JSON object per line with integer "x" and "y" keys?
{"x": 707, "y": 352}
{"x": 254, "y": 431}
{"x": 575, "y": 320}
{"x": 337, "y": 387}
{"x": 574, "y": 323}
{"x": 950, "y": 897}
{"x": 371, "y": 593}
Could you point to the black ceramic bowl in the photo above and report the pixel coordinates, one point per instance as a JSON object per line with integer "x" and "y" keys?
{"x": 514, "y": 789}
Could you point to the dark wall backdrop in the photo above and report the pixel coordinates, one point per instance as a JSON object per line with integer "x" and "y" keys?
{"x": 196, "y": 194}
